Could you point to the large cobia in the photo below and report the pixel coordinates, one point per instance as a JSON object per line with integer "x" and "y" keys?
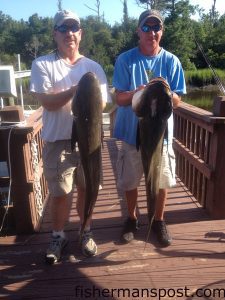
{"x": 86, "y": 131}
{"x": 153, "y": 107}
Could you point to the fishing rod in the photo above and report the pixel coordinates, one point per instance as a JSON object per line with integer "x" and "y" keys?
{"x": 216, "y": 77}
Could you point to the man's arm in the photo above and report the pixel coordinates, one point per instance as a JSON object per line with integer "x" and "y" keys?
{"x": 54, "y": 102}
{"x": 176, "y": 99}
{"x": 125, "y": 98}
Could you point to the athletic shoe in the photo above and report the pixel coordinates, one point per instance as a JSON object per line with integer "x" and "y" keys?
{"x": 54, "y": 251}
{"x": 130, "y": 227}
{"x": 88, "y": 245}
{"x": 162, "y": 233}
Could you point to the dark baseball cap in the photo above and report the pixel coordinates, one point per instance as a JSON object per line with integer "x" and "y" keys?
{"x": 150, "y": 14}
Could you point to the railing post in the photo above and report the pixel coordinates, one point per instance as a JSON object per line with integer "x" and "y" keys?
{"x": 29, "y": 192}
{"x": 219, "y": 106}
{"x": 215, "y": 202}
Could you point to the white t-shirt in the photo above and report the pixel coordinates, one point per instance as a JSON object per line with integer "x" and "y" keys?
{"x": 52, "y": 74}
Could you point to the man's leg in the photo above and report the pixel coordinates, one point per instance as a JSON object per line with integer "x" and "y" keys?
{"x": 129, "y": 174}
{"x": 159, "y": 224}
{"x": 131, "y": 224}
{"x": 59, "y": 167}
{"x": 88, "y": 245}
{"x": 160, "y": 204}
{"x": 167, "y": 180}
{"x": 131, "y": 198}
{"x": 60, "y": 209}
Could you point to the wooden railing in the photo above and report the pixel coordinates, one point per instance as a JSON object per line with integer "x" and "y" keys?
{"x": 199, "y": 144}
{"x": 21, "y": 148}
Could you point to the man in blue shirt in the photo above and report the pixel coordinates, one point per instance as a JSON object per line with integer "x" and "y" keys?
{"x": 133, "y": 70}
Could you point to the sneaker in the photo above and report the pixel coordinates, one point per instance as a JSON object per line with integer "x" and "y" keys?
{"x": 53, "y": 253}
{"x": 161, "y": 232}
{"x": 88, "y": 245}
{"x": 130, "y": 227}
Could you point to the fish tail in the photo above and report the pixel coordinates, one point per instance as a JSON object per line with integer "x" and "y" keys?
{"x": 149, "y": 231}
{"x": 81, "y": 233}
{"x": 74, "y": 137}
{"x": 102, "y": 137}
{"x": 138, "y": 137}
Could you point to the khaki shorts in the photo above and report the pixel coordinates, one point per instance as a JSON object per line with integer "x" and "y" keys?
{"x": 130, "y": 169}
{"x": 62, "y": 168}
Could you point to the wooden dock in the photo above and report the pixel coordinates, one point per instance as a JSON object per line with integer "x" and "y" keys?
{"x": 194, "y": 263}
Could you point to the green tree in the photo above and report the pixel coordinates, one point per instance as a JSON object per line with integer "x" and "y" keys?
{"x": 97, "y": 42}
{"x": 160, "y": 5}
{"x": 104, "y": 43}
{"x": 178, "y": 35}
{"x": 211, "y": 40}
{"x": 39, "y": 39}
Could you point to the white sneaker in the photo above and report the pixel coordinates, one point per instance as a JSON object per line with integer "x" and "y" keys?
{"x": 54, "y": 251}
{"x": 88, "y": 245}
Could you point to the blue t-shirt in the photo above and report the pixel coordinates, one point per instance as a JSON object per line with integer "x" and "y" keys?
{"x": 133, "y": 69}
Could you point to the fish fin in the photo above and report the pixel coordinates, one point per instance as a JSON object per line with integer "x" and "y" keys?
{"x": 81, "y": 233}
{"x": 74, "y": 137}
{"x": 138, "y": 141}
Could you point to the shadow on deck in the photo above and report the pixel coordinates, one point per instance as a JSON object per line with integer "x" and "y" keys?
{"x": 194, "y": 261}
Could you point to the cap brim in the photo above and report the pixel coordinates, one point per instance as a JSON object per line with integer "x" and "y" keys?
{"x": 150, "y": 17}
{"x": 66, "y": 19}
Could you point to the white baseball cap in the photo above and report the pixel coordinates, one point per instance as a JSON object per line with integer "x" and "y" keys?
{"x": 63, "y": 15}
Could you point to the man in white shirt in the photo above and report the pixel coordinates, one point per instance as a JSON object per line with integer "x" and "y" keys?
{"x": 54, "y": 78}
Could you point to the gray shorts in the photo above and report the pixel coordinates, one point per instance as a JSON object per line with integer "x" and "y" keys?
{"x": 62, "y": 168}
{"x": 130, "y": 169}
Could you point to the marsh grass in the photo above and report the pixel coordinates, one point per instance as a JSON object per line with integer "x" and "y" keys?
{"x": 202, "y": 97}
{"x": 29, "y": 101}
{"x": 202, "y": 88}
{"x": 204, "y": 103}
{"x": 203, "y": 77}
{"x": 200, "y": 83}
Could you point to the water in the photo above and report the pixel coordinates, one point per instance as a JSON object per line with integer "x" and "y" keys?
{"x": 202, "y": 98}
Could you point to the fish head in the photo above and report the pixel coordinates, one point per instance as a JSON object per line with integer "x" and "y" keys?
{"x": 155, "y": 100}
{"x": 88, "y": 84}
{"x": 87, "y": 112}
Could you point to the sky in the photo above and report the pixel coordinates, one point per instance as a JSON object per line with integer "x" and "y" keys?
{"x": 113, "y": 9}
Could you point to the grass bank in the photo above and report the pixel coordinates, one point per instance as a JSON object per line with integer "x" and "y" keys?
{"x": 203, "y": 77}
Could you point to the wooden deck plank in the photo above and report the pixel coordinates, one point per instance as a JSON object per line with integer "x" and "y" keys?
{"x": 194, "y": 260}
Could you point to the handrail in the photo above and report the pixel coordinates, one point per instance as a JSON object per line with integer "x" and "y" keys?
{"x": 22, "y": 74}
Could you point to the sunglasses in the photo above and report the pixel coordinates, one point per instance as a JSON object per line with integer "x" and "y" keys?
{"x": 64, "y": 28}
{"x": 148, "y": 28}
